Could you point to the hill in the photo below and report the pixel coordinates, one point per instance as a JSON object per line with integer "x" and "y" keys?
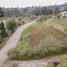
{"x": 39, "y": 41}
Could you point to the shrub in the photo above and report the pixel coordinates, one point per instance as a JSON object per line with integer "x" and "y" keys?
{"x": 11, "y": 25}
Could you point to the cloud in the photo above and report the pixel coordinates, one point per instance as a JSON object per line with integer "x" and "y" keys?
{"x": 25, "y": 3}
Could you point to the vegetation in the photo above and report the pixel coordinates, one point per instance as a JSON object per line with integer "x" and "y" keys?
{"x": 3, "y": 35}
{"x": 1, "y": 13}
{"x": 49, "y": 65}
{"x": 62, "y": 21}
{"x": 37, "y": 11}
{"x": 13, "y": 64}
{"x": 42, "y": 19}
{"x": 24, "y": 40}
{"x": 40, "y": 42}
{"x": 63, "y": 62}
{"x": 11, "y": 25}
{"x": 61, "y": 24}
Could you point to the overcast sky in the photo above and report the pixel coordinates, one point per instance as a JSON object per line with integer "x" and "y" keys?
{"x": 25, "y": 3}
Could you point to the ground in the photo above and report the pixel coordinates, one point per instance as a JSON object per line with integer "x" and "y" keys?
{"x": 11, "y": 43}
{"x": 56, "y": 24}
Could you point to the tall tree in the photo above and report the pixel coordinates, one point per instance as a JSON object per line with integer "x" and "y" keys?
{"x": 1, "y": 12}
{"x": 57, "y": 10}
{"x": 36, "y": 11}
{"x": 2, "y": 28}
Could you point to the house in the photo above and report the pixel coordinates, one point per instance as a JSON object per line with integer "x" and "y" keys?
{"x": 25, "y": 21}
{"x": 63, "y": 14}
{"x": 22, "y": 22}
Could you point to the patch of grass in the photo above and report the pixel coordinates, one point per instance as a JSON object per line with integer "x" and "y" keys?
{"x": 60, "y": 21}
{"x": 60, "y": 24}
{"x": 24, "y": 41}
{"x": 43, "y": 41}
{"x": 39, "y": 41}
{"x": 3, "y": 41}
{"x": 13, "y": 64}
{"x": 63, "y": 64}
{"x": 49, "y": 65}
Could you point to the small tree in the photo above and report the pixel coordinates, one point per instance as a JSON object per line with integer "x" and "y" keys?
{"x": 57, "y": 10}
{"x": 1, "y": 13}
{"x": 11, "y": 25}
{"x": 2, "y": 29}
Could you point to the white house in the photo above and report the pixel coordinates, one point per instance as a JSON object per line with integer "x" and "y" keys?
{"x": 63, "y": 14}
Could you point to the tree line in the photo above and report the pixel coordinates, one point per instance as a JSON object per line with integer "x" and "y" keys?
{"x": 37, "y": 10}
{"x": 29, "y": 11}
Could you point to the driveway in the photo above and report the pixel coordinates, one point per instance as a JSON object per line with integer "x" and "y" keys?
{"x": 11, "y": 43}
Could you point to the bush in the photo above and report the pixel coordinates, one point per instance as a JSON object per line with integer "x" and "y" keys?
{"x": 11, "y": 25}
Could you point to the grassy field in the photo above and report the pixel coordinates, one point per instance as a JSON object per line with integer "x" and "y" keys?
{"x": 39, "y": 41}
{"x": 3, "y": 41}
{"x": 24, "y": 41}
{"x": 62, "y": 23}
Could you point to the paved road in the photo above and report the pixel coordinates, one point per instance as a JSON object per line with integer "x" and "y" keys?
{"x": 11, "y": 43}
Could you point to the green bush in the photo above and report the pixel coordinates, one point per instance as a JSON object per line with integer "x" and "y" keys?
{"x": 11, "y": 25}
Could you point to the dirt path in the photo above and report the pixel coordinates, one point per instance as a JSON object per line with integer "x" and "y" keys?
{"x": 11, "y": 43}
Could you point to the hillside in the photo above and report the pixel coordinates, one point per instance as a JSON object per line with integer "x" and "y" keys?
{"x": 46, "y": 35}
{"x": 39, "y": 41}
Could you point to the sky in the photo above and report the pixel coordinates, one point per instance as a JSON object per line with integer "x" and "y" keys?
{"x": 27, "y": 3}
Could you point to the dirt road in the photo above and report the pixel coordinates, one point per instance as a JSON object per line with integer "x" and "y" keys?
{"x": 11, "y": 43}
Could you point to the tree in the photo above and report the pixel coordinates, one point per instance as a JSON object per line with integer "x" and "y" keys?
{"x": 44, "y": 11}
{"x": 57, "y": 10}
{"x": 1, "y": 12}
{"x": 11, "y": 25}
{"x": 36, "y": 11}
{"x": 50, "y": 11}
{"x": 2, "y": 29}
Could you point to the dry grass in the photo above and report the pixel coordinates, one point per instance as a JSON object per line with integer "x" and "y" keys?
{"x": 45, "y": 41}
{"x": 42, "y": 32}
